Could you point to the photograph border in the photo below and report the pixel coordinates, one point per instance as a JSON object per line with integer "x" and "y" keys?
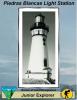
{"x": 21, "y": 10}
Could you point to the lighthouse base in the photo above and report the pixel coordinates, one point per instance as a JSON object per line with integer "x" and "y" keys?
{"x": 43, "y": 74}
{"x": 37, "y": 75}
{"x": 37, "y": 78}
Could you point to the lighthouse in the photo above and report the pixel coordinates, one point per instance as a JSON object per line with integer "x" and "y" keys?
{"x": 38, "y": 67}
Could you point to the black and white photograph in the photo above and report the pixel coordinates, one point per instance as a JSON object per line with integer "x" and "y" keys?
{"x": 38, "y": 47}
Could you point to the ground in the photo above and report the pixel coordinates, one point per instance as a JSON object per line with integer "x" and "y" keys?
{"x": 35, "y": 81}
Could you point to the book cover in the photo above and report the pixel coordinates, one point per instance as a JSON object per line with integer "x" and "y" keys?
{"x": 38, "y": 49}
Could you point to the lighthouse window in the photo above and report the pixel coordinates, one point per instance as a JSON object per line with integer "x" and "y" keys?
{"x": 45, "y": 62}
{"x": 38, "y": 32}
{"x": 44, "y": 41}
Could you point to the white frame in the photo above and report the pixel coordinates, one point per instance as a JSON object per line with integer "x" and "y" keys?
{"x": 21, "y": 10}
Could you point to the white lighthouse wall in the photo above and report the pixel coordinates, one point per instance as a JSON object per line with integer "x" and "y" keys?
{"x": 37, "y": 54}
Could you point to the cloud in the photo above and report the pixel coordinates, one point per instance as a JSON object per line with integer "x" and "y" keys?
{"x": 68, "y": 74}
{"x": 67, "y": 71}
{"x": 7, "y": 59}
{"x": 4, "y": 61}
{"x": 8, "y": 65}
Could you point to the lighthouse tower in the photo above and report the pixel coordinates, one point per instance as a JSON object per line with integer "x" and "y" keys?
{"x": 38, "y": 63}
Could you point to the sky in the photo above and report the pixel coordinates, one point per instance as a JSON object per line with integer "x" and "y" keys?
{"x": 9, "y": 44}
